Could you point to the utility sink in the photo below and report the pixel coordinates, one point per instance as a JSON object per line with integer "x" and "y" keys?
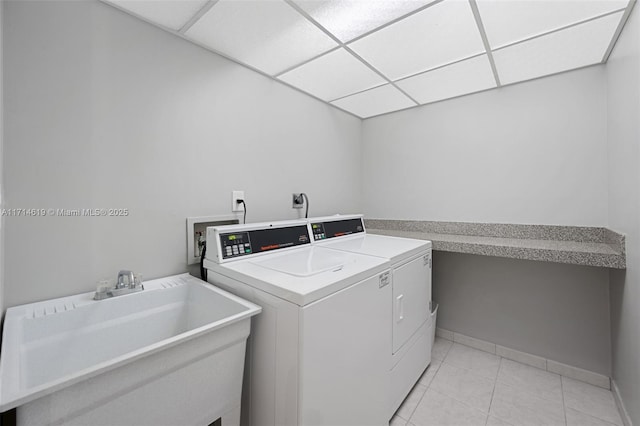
{"x": 171, "y": 354}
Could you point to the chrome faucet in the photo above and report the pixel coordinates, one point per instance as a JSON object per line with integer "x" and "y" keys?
{"x": 121, "y": 276}
{"x": 127, "y": 282}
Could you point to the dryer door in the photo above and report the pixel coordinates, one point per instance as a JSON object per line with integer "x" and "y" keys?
{"x": 411, "y": 296}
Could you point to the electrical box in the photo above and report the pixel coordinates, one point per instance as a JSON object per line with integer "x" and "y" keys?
{"x": 197, "y": 233}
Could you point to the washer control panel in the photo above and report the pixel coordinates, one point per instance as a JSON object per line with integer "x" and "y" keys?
{"x": 235, "y": 244}
{"x": 243, "y": 243}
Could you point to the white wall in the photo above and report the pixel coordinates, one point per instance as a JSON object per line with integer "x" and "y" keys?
{"x": 531, "y": 153}
{"x": 1, "y": 159}
{"x": 103, "y": 110}
{"x": 623, "y": 78}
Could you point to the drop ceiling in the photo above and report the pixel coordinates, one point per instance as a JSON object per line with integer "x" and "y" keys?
{"x": 371, "y": 57}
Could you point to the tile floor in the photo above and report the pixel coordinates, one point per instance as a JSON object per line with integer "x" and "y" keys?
{"x": 465, "y": 386}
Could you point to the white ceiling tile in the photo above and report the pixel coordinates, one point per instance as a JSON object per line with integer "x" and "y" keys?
{"x": 268, "y": 35}
{"x": 508, "y": 21}
{"x": 438, "y": 35}
{"x": 172, "y": 14}
{"x": 571, "y": 48}
{"x": 461, "y": 78}
{"x": 375, "y": 101}
{"x": 348, "y": 19}
{"x": 333, "y": 75}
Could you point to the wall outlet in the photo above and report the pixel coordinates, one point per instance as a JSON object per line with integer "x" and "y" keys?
{"x": 197, "y": 233}
{"x": 297, "y": 201}
{"x": 235, "y": 206}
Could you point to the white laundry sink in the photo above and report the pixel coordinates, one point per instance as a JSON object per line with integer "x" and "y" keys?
{"x": 171, "y": 354}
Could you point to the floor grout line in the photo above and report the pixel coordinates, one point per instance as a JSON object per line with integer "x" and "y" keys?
{"x": 564, "y": 407}
{"x": 426, "y": 388}
{"x": 430, "y": 383}
{"x": 584, "y": 412}
{"x": 455, "y": 398}
{"x": 593, "y": 417}
{"x": 437, "y": 369}
{"x": 423, "y": 394}
{"x": 417, "y": 403}
{"x": 493, "y": 392}
{"x": 466, "y": 404}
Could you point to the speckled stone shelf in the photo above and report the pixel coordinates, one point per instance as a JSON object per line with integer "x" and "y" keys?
{"x": 576, "y": 245}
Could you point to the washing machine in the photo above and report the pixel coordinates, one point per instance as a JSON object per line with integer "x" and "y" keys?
{"x": 317, "y": 354}
{"x": 410, "y": 265}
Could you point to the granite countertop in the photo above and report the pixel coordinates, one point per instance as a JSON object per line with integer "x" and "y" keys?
{"x": 575, "y": 245}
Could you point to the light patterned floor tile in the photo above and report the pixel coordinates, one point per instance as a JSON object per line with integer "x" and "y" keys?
{"x": 521, "y": 408}
{"x": 440, "y": 348}
{"x": 437, "y": 409}
{"x": 411, "y": 401}
{"x": 539, "y": 382}
{"x": 576, "y": 418}
{"x": 430, "y": 373}
{"x": 464, "y": 386}
{"x": 592, "y": 400}
{"x": 482, "y": 363}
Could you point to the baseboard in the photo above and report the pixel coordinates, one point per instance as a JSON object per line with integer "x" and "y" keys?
{"x": 576, "y": 373}
{"x": 445, "y": 334}
{"x": 621, "y": 408}
{"x": 566, "y": 370}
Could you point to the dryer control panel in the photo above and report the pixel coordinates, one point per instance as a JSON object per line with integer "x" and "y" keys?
{"x": 336, "y": 228}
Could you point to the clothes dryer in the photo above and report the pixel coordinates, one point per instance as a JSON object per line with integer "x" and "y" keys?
{"x": 410, "y": 264}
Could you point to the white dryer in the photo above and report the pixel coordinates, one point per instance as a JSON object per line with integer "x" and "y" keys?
{"x": 410, "y": 264}
{"x": 317, "y": 354}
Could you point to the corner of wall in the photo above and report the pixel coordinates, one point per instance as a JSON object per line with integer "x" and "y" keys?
{"x": 1, "y": 160}
{"x": 361, "y": 165}
{"x": 623, "y": 159}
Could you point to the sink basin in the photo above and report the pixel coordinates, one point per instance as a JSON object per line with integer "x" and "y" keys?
{"x": 74, "y": 347}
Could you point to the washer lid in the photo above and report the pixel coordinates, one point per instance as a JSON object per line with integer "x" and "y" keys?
{"x": 305, "y": 263}
{"x": 303, "y": 275}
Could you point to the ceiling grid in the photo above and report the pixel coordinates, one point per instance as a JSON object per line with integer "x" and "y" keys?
{"x": 485, "y": 40}
{"x": 616, "y": 35}
{"x": 374, "y": 57}
{"x": 345, "y": 47}
{"x": 566, "y": 27}
{"x": 197, "y": 16}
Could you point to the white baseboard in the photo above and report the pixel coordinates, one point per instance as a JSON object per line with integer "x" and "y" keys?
{"x": 445, "y": 334}
{"x": 586, "y": 376}
{"x": 621, "y": 408}
{"x": 570, "y": 371}
{"x": 474, "y": 343}
{"x": 523, "y": 357}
